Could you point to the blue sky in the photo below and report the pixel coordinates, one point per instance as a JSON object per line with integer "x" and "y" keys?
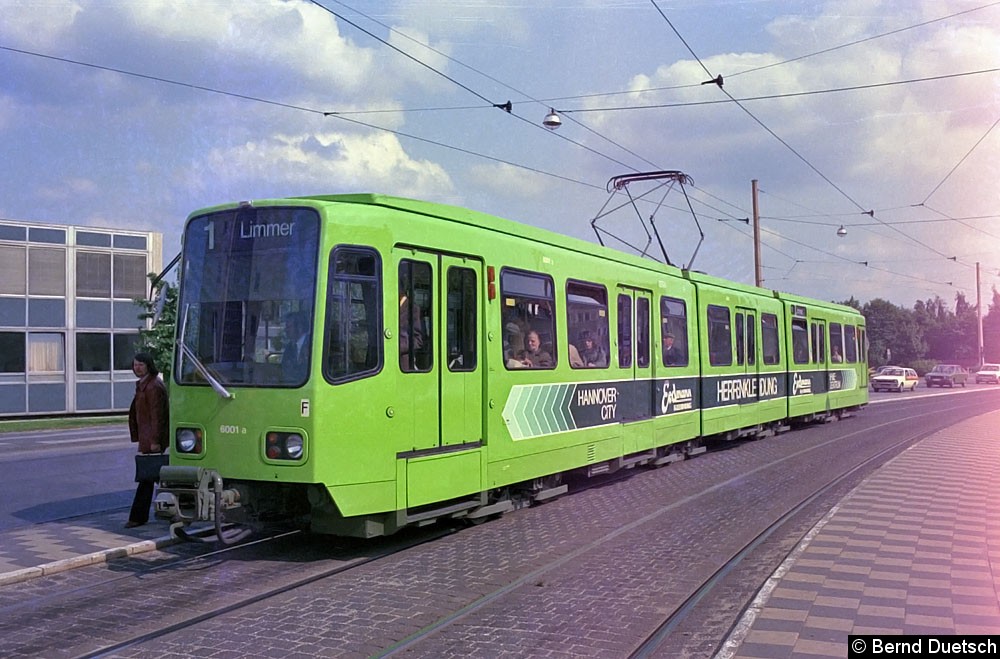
{"x": 135, "y": 113}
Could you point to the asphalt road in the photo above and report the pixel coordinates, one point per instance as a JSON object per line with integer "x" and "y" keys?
{"x": 55, "y": 474}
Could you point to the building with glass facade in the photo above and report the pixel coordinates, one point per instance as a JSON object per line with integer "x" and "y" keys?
{"x": 69, "y": 325}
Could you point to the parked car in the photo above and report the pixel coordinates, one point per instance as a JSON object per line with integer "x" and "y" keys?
{"x": 895, "y": 378}
{"x": 988, "y": 373}
{"x": 946, "y": 375}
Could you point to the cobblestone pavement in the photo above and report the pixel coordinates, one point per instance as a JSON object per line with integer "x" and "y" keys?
{"x": 590, "y": 574}
{"x": 915, "y": 549}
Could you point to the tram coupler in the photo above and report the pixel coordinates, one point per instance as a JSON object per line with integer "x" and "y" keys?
{"x": 196, "y": 494}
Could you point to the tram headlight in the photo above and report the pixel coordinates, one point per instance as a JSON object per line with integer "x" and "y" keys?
{"x": 280, "y": 445}
{"x": 188, "y": 440}
{"x": 294, "y": 446}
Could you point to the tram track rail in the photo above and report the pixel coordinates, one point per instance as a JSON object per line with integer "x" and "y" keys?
{"x": 219, "y": 611}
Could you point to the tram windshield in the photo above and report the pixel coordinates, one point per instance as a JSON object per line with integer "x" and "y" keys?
{"x": 245, "y": 313}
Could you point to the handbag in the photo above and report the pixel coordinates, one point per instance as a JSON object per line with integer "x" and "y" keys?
{"x": 147, "y": 466}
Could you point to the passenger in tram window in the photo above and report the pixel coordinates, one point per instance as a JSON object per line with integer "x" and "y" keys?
{"x": 148, "y": 425}
{"x": 671, "y": 353}
{"x": 533, "y": 356}
{"x": 574, "y": 357}
{"x": 835, "y": 355}
{"x": 592, "y": 354}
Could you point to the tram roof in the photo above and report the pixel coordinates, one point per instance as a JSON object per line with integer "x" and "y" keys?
{"x": 501, "y": 225}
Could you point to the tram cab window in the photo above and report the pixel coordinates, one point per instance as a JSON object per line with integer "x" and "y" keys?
{"x": 769, "y": 338}
{"x": 528, "y": 317}
{"x": 800, "y": 341}
{"x": 673, "y": 331}
{"x": 850, "y": 344}
{"x": 416, "y": 340}
{"x": 587, "y": 325}
{"x": 352, "y": 346}
{"x": 720, "y": 336}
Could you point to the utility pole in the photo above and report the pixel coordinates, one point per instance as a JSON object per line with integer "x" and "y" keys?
{"x": 758, "y": 273}
{"x": 979, "y": 318}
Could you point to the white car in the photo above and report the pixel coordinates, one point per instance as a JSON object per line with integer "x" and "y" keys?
{"x": 895, "y": 379}
{"x": 989, "y": 373}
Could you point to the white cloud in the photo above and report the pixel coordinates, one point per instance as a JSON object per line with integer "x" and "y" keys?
{"x": 323, "y": 164}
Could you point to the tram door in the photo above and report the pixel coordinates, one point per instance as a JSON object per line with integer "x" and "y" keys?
{"x": 635, "y": 356}
{"x": 439, "y": 381}
{"x": 746, "y": 354}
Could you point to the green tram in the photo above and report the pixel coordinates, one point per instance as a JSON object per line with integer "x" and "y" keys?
{"x": 372, "y": 362}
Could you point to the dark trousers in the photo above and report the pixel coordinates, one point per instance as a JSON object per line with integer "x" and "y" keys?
{"x": 141, "y": 503}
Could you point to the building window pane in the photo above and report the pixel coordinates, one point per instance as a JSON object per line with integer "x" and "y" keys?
{"x": 46, "y": 271}
{"x": 587, "y": 325}
{"x": 125, "y": 348}
{"x": 11, "y": 352}
{"x": 13, "y": 274}
{"x": 54, "y": 236}
{"x": 8, "y": 232}
{"x": 130, "y": 276}
{"x": 92, "y": 239}
{"x": 93, "y": 274}
{"x": 130, "y": 242}
{"x": 93, "y": 352}
{"x": 46, "y": 353}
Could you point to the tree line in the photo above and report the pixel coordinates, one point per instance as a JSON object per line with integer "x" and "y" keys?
{"x": 930, "y": 332}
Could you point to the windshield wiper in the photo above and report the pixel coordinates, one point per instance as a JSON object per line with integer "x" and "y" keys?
{"x": 198, "y": 365}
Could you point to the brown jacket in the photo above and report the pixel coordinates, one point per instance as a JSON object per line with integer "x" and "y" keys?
{"x": 148, "y": 417}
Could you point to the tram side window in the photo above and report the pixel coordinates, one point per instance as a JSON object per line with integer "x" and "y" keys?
{"x": 720, "y": 336}
{"x": 587, "y": 324}
{"x": 462, "y": 332}
{"x": 769, "y": 338}
{"x": 673, "y": 331}
{"x": 836, "y": 343}
{"x": 818, "y": 344}
{"x": 800, "y": 341}
{"x": 624, "y": 331}
{"x": 850, "y": 344}
{"x": 416, "y": 340}
{"x": 529, "y": 323}
{"x": 352, "y": 346}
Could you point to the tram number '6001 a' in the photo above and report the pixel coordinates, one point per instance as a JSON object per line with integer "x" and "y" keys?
{"x": 232, "y": 430}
